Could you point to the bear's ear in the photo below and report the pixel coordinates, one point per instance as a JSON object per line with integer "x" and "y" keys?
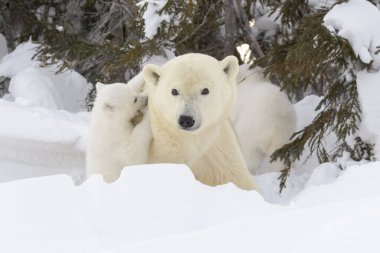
{"x": 230, "y": 66}
{"x": 99, "y": 86}
{"x": 151, "y": 74}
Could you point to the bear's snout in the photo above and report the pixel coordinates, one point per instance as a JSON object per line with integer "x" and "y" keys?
{"x": 186, "y": 121}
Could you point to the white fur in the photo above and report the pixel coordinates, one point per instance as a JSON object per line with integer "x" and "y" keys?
{"x": 114, "y": 142}
{"x": 264, "y": 120}
{"x": 210, "y": 148}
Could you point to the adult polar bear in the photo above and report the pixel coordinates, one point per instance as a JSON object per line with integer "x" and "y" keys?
{"x": 190, "y": 100}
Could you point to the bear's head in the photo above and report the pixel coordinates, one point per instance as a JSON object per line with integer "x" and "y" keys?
{"x": 119, "y": 98}
{"x": 193, "y": 91}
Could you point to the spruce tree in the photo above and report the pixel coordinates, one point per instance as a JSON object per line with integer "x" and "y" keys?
{"x": 307, "y": 58}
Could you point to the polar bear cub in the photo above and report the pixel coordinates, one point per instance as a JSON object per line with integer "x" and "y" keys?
{"x": 114, "y": 139}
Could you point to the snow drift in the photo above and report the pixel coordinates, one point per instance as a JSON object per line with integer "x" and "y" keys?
{"x": 37, "y": 86}
{"x": 162, "y": 208}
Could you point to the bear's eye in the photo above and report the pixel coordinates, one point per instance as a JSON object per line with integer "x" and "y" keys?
{"x": 205, "y": 91}
{"x": 175, "y": 92}
{"x": 134, "y": 101}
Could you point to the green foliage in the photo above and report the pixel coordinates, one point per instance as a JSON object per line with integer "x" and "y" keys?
{"x": 101, "y": 54}
{"x": 197, "y": 30}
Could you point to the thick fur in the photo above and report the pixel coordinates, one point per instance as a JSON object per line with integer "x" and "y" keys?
{"x": 114, "y": 141}
{"x": 264, "y": 120}
{"x": 210, "y": 147}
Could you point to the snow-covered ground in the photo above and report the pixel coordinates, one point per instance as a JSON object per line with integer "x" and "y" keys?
{"x": 162, "y": 208}
{"x": 44, "y": 127}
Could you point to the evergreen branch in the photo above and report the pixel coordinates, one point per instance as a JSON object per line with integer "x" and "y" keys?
{"x": 301, "y": 60}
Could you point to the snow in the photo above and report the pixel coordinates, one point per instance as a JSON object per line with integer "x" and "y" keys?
{"x": 323, "y": 174}
{"x": 358, "y": 22}
{"x": 19, "y": 59}
{"x": 59, "y": 28}
{"x": 161, "y": 208}
{"x": 40, "y": 13}
{"x": 36, "y": 138}
{"x": 40, "y": 122}
{"x": 38, "y": 141}
{"x": 268, "y": 24}
{"x": 151, "y": 16}
{"x": 40, "y": 86}
{"x": 304, "y": 169}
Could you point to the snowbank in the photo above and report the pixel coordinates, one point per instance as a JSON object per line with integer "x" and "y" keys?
{"x": 36, "y": 142}
{"x": 38, "y": 124}
{"x": 42, "y": 87}
{"x": 162, "y": 208}
{"x": 33, "y": 85}
{"x": 358, "y": 21}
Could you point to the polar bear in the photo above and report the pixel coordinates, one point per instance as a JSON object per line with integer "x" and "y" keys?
{"x": 264, "y": 120}
{"x": 190, "y": 101}
{"x": 114, "y": 140}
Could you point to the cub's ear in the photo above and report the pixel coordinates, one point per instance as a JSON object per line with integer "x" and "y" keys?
{"x": 99, "y": 86}
{"x": 137, "y": 83}
{"x": 151, "y": 74}
{"x": 230, "y": 66}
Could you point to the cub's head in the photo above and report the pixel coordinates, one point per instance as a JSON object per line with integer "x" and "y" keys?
{"x": 193, "y": 91}
{"x": 119, "y": 98}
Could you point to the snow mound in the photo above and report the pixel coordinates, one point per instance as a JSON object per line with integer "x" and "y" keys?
{"x": 358, "y": 21}
{"x": 38, "y": 141}
{"x": 43, "y": 87}
{"x": 33, "y": 85}
{"x": 38, "y": 124}
{"x": 162, "y": 208}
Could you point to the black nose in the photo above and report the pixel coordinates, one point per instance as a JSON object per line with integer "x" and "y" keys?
{"x": 186, "y": 121}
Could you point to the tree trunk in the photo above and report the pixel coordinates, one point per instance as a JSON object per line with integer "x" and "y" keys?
{"x": 253, "y": 44}
{"x": 229, "y": 28}
{"x": 7, "y": 24}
